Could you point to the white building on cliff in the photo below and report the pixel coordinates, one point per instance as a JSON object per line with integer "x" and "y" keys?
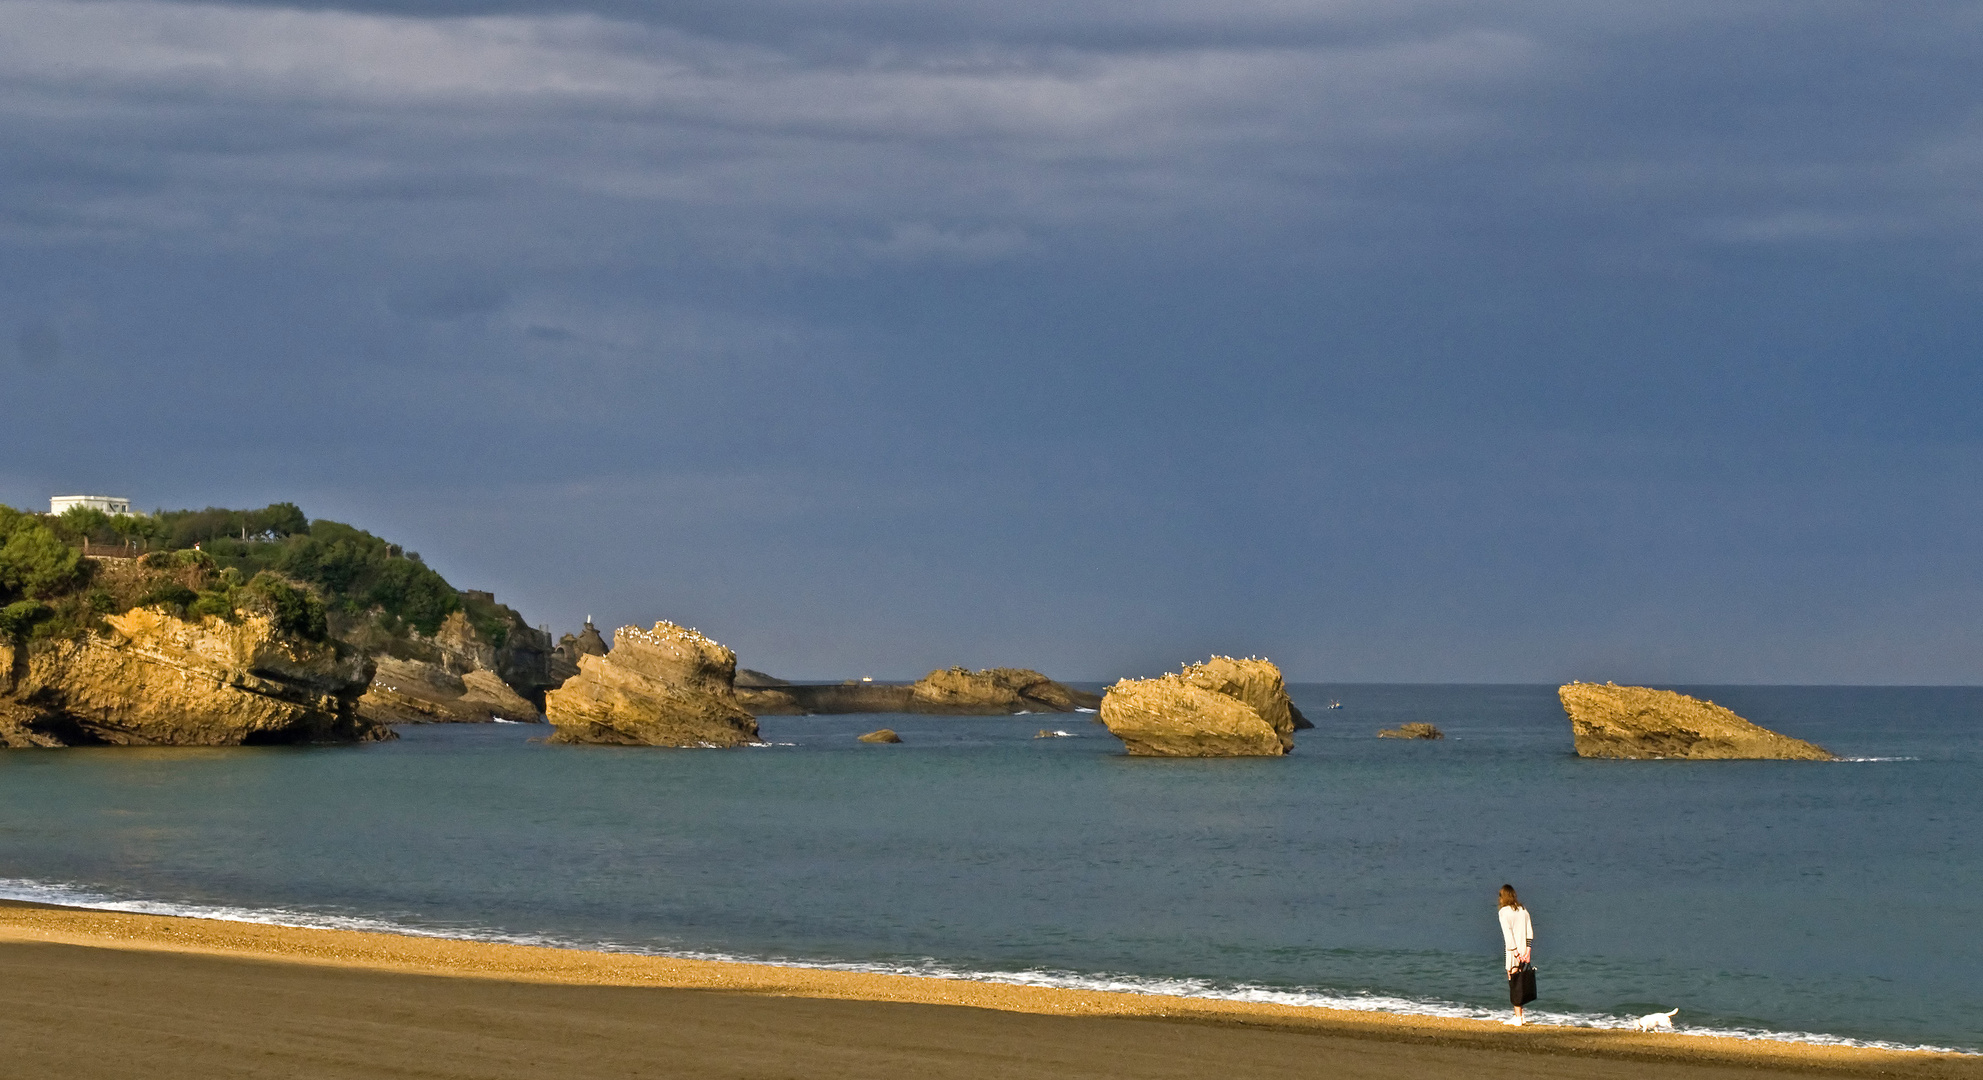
{"x": 109, "y": 504}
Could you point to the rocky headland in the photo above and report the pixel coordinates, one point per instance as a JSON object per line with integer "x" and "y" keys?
{"x": 953, "y": 692}
{"x": 1412, "y": 731}
{"x": 1221, "y": 708}
{"x": 150, "y": 678}
{"x": 668, "y": 686}
{"x": 1610, "y": 721}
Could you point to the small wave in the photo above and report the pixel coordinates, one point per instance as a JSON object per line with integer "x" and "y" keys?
{"x": 41, "y": 892}
{"x": 500, "y": 720}
{"x": 1084, "y": 710}
{"x": 1846, "y": 759}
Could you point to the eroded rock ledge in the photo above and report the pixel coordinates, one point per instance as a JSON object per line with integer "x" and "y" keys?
{"x": 668, "y": 686}
{"x": 953, "y": 692}
{"x": 1611, "y": 721}
{"x": 152, "y": 679}
{"x": 1220, "y": 708}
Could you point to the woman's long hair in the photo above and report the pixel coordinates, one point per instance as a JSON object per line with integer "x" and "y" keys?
{"x": 1508, "y": 897}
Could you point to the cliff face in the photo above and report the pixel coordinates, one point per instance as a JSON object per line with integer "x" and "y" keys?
{"x": 1637, "y": 722}
{"x": 152, "y": 679}
{"x": 955, "y": 692}
{"x": 1221, "y": 708}
{"x": 668, "y": 686}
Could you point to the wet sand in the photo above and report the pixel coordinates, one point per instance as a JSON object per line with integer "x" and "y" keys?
{"x": 106, "y": 994}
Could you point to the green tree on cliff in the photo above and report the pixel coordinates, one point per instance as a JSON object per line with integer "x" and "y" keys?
{"x": 34, "y": 561}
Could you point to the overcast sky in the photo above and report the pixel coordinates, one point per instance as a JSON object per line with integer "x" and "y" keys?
{"x": 1426, "y": 340}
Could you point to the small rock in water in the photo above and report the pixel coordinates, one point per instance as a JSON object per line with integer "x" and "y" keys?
{"x": 1412, "y": 731}
{"x": 883, "y": 735}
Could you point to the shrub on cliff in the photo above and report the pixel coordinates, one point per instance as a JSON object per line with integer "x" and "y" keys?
{"x": 351, "y": 571}
{"x": 295, "y": 610}
{"x": 35, "y": 562}
{"x": 19, "y": 617}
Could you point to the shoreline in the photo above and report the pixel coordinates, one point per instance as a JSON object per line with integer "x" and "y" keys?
{"x": 26, "y": 925}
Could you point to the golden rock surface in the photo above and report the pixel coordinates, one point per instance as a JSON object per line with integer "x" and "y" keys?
{"x": 152, "y": 679}
{"x": 1610, "y": 721}
{"x": 1221, "y": 708}
{"x": 669, "y": 686}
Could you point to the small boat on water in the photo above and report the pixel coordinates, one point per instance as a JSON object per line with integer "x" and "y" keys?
{"x": 1335, "y": 704}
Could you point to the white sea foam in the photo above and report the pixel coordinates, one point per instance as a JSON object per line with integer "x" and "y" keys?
{"x": 41, "y": 892}
{"x": 1846, "y": 759}
{"x": 1084, "y": 710}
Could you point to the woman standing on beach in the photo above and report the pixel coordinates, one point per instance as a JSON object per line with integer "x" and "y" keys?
{"x": 1517, "y": 943}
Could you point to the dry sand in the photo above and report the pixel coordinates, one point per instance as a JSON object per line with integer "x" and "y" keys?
{"x": 106, "y": 994}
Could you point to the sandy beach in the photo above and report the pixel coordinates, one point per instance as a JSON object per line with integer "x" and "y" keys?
{"x": 106, "y": 994}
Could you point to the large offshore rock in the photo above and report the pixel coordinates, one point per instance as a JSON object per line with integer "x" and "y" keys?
{"x": 1638, "y": 722}
{"x": 993, "y": 692}
{"x": 152, "y": 679}
{"x": 669, "y": 686}
{"x": 1221, "y": 708}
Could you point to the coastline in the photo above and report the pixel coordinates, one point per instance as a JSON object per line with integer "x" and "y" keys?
{"x": 230, "y": 956}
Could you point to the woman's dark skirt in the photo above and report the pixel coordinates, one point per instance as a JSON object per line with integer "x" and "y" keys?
{"x": 1521, "y": 985}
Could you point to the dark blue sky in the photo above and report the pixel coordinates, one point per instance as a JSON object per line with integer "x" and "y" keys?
{"x": 1394, "y": 341}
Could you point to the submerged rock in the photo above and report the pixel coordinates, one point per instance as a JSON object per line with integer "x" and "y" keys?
{"x": 1638, "y": 722}
{"x": 884, "y": 735}
{"x": 1220, "y": 708}
{"x": 153, "y": 679}
{"x": 1412, "y": 731}
{"x": 669, "y": 686}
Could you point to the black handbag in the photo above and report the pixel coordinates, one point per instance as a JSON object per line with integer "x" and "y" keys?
{"x": 1521, "y": 985}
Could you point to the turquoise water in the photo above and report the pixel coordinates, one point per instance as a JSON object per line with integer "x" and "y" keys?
{"x": 1833, "y": 900}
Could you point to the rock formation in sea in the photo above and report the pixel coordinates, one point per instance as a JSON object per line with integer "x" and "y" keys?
{"x": 1609, "y": 721}
{"x": 992, "y": 691}
{"x": 952, "y": 692}
{"x": 1220, "y": 708}
{"x": 1412, "y": 731}
{"x": 459, "y": 675}
{"x": 413, "y": 692}
{"x": 881, "y": 735}
{"x": 149, "y": 678}
{"x": 668, "y": 686}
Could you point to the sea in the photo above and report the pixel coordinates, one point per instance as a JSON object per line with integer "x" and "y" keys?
{"x": 1820, "y": 902}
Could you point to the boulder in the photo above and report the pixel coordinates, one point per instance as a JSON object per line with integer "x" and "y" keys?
{"x": 668, "y": 686}
{"x": 883, "y": 735}
{"x": 1412, "y": 731}
{"x": 1221, "y": 708}
{"x": 152, "y": 679}
{"x": 1611, "y": 721}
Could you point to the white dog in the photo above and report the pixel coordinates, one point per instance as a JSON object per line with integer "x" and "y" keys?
{"x": 1656, "y": 1021}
